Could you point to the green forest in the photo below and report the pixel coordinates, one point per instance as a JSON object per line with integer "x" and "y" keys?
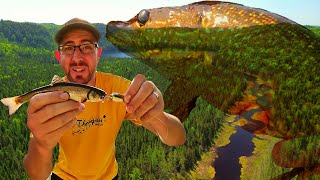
{"x": 27, "y": 62}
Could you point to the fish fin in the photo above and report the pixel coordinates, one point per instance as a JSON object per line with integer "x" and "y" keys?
{"x": 183, "y": 111}
{"x": 57, "y": 79}
{"x": 178, "y": 101}
{"x": 12, "y": 103}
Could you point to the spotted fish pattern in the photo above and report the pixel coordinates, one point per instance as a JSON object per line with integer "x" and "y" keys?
{"x": 243, "y": 60}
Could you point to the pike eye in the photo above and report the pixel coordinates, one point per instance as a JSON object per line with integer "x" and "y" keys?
{"x": 143, "y": 17}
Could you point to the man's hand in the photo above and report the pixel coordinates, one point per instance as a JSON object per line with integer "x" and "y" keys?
{"x": 50, "y": 115}
{"x": 144, "y": 100}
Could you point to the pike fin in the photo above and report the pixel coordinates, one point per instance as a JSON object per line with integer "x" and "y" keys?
{"x": 12, "y": 103}
{"x": 178, "y": 100}
{"x": 183, "y": 111}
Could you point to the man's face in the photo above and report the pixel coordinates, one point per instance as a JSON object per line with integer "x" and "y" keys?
{"x": 79, "y": 67}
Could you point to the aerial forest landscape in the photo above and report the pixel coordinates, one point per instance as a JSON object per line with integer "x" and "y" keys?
{"x": 247, "y": 93}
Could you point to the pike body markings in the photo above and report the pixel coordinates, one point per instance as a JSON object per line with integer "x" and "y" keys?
{"x": 245, "y": 61}
{"x": 233, "y": 56}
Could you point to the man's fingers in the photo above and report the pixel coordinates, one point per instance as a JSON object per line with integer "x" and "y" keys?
{"x": 142, "y": 95}
{"x": 52, "y": 110}
{"x": 40, "y": 100}
{"x": 66, "y": 127}
{"x": 61, "y": 120}
{"x": 147, "y": 105}
{"x": 60, "y": 131}
{"x": 134, "y": 87}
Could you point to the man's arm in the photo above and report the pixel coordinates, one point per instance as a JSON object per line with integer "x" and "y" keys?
{"x": 168, "y": 128}
{"x": 38, "y": 161}
{"x": 145, "y": 102}
{"x": 49, "y": 116}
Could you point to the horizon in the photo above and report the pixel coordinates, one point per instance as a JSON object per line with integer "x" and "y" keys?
{"x": 35, "y": 11}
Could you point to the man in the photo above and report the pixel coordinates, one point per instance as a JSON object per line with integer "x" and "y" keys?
{"x": 90, "y": 128}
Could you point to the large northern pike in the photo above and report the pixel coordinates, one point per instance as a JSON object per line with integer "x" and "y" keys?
{"x": 246, "y": 61}
{"x": 233, "y": 56}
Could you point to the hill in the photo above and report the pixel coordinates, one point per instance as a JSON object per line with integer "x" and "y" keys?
{"x": 35, "y": 36}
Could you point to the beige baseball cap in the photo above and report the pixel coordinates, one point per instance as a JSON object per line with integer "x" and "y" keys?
{"x": 76, "y": 23}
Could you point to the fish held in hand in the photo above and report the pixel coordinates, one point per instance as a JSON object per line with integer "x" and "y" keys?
{"x": 77, "y": 92}
{"x": 116, "y": 97}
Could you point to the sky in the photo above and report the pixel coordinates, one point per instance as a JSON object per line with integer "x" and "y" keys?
{"x": 305, "y": 12}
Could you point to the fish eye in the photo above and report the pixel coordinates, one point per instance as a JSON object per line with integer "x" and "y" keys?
{"x": 143, "y": 17}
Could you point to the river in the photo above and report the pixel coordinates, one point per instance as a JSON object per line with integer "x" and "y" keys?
{"x": 227, "y": 164}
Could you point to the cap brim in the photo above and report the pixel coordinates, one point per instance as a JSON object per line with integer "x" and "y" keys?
{"x": 59, "y": 35}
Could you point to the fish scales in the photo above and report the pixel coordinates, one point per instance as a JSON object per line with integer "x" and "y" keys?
{"x": 66, "y": 87}
{"x": 228, "y": 54}
{"x": 77, "y": 92}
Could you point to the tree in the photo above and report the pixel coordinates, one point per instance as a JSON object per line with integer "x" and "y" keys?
{"x": 136, "y": 174}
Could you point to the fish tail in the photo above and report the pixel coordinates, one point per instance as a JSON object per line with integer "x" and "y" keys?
{"x": 12, "y": 103}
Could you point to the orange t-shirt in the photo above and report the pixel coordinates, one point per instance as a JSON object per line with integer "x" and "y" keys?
{"x": 87, "y": 151}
